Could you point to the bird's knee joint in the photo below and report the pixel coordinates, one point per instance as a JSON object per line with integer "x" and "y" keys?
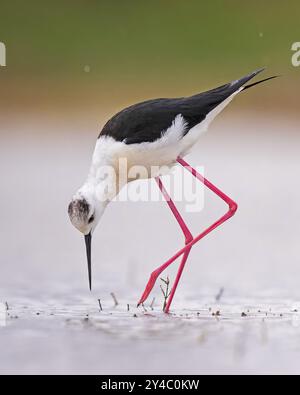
{"x": 189, "y": 239}
{"x": 233, "y": 208}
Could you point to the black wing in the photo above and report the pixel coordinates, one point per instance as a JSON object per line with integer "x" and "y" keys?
{"x": 147, "y": 121}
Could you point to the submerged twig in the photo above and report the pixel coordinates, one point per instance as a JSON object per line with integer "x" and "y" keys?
{"x": 166, "y": 291}
{"x": 216, "y": 314}
{"x": 128, "y": 307}
{"x": 100, "y": 305}
{"x": 152, "y": 304}
{"x": 220, "y": 294}
{"x": 114, "y": 298}
{"x": 144, "y": 308}
{"x": 7, "y": 306}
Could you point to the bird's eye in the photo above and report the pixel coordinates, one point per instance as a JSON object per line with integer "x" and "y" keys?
{"x": 91, "y": 219}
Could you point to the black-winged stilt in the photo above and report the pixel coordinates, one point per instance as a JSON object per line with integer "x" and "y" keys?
{"x": 154, "y": 133}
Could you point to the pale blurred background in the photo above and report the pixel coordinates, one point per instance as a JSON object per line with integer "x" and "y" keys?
{"x": 72, "y": 65}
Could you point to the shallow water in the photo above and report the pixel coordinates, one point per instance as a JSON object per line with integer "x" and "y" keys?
{"x": 227, "y": 337}
{"x": 55, "y": 326}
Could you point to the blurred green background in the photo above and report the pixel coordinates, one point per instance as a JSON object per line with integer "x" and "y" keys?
{"x": 68, "y": 55}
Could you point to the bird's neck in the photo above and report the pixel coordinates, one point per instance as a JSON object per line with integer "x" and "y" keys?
{"x": 101, "y": 190}
{"x": 104, "y": 181}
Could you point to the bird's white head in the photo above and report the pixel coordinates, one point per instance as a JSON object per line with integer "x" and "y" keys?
{"x": 85, "y": 212}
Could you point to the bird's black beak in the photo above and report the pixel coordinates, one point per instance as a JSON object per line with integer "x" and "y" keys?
{"x": 88, "y": 245}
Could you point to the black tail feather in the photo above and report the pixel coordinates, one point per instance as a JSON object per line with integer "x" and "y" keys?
{"x": 259, "y": 82}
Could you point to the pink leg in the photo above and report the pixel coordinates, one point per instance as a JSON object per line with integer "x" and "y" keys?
{"x": 231, "y": 211}
{"x": 188, "y": 239}
{"x": 179, "y": 219}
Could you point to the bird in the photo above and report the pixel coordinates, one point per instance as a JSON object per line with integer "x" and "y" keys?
{"x": 155, "y": 133}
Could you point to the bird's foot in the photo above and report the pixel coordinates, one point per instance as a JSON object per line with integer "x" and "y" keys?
{"x": 149, "y": 287}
